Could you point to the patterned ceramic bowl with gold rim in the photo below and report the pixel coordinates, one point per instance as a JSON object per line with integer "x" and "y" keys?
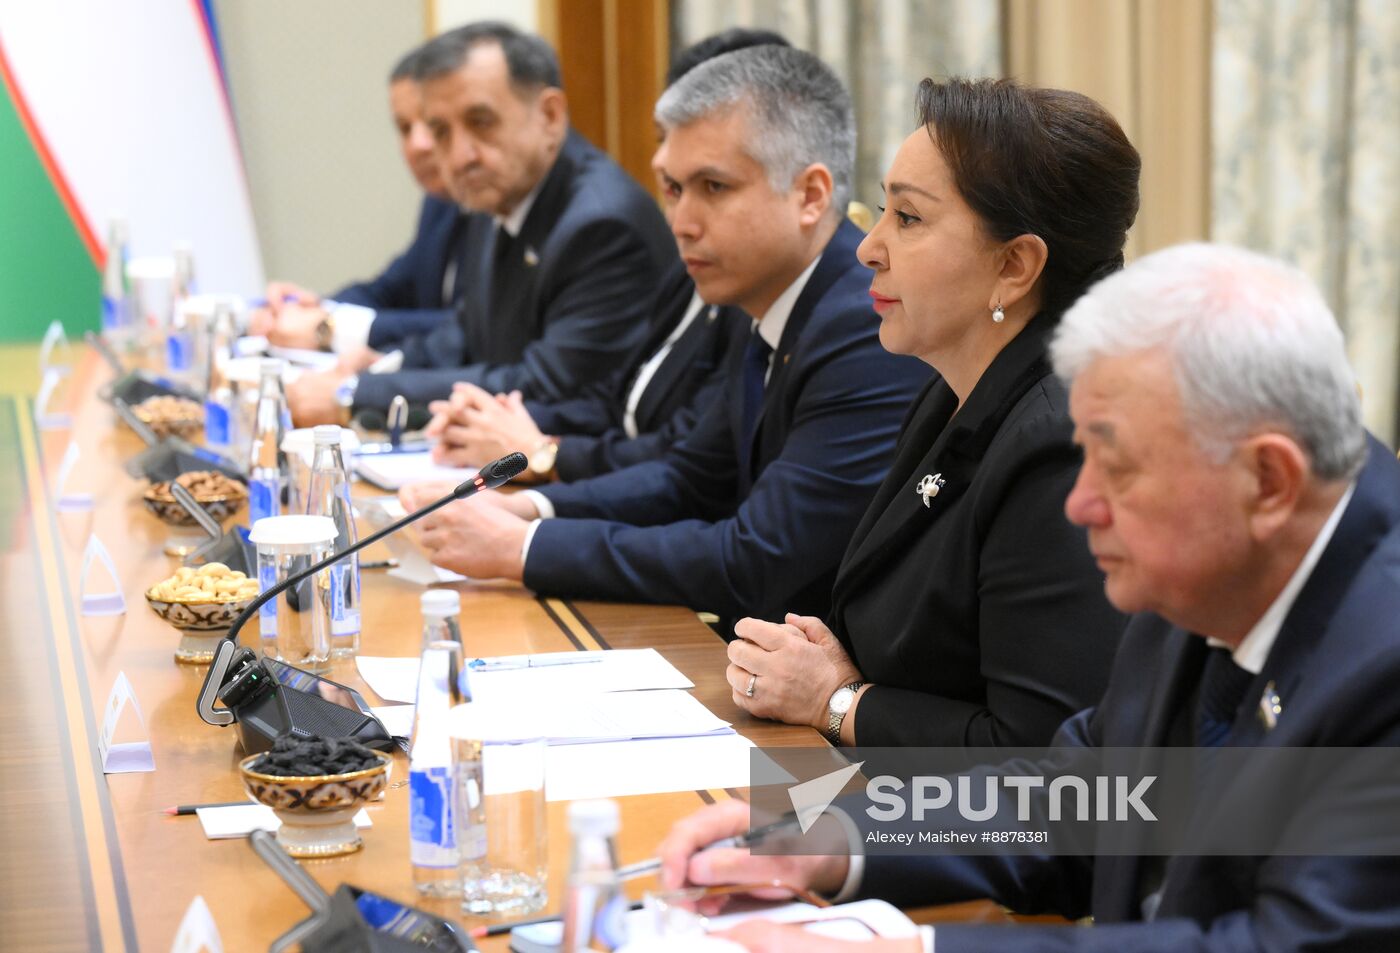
{"x": 317, "y": 812}
{"x": 171, "y": 416}
{"x": 167, "y": 509}
{"x": 201, "y": 624}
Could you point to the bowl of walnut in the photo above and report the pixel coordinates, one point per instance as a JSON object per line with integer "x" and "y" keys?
{"x": 202, "y": 604}
{"x": 171, "y": 416}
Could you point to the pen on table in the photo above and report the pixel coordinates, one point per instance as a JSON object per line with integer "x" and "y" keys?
{"x": 184, "y": 810}
{"x": 747, "y": 839}
{"x": 375, "y": 449}
{"x": 380, "y": 564}
{"x": 398, "y": 417}
{"x": 496, "y": 929}
{"x": 546, "y": 661}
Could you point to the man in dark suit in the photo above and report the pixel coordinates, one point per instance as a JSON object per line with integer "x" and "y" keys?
{"x": 1236, "y": 505}
{"x": 653, "y": 400}
{"x": 557, "y": 272}
{"x": 749, "y": 512}
{"x": 412, "y": 294}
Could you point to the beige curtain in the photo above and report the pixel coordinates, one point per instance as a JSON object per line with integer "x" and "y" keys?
{"x": 1148, "y": 63}
{"x": 880, "y": 48}
{"x": 1306, "y": 131}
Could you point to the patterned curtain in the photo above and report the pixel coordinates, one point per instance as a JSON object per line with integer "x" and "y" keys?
{"x": 880, "y": 48}
{"x": 1305, "y": 151}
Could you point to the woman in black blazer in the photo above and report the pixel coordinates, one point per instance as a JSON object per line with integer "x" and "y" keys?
{"x": 967, "y": 611}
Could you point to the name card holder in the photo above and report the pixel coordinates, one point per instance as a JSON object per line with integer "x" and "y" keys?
{"x": 197, "y": 930}
{"x": 69, "y": 502}
{"x": 123, "y": 757}
{"x": 99, "y": 603}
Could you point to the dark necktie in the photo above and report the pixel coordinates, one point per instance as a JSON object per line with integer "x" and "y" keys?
{"x": 756, "y": 356}
{"x": 501, "y": 260}
{"x": 1223, "y": 685}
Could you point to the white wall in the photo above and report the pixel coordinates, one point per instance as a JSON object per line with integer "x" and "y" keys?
{"x": 331, "y": 197}
{"x": 521, "y": 14}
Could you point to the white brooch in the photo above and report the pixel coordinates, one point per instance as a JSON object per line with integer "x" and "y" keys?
{"x": 929, "y": 486}
{"x": 531, "y": 258}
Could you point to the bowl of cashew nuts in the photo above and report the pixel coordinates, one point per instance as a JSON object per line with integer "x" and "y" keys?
{"x": 202, "y": 604}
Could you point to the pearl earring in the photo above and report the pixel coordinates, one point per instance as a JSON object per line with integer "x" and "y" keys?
{"x": 998, "y": 315}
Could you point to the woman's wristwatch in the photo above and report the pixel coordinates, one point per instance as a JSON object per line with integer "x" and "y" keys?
{"x": 841, "y": 701}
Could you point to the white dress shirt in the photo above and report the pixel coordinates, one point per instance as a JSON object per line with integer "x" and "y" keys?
{"x": 648, "y": 370}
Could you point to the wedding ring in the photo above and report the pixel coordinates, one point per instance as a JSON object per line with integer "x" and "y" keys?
{"x": 748, "y": 692}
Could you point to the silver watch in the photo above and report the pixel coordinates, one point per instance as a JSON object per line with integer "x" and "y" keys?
{"x": 841, "y": 701}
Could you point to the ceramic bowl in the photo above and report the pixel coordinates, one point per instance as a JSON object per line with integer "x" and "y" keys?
{"x": 201, "y": 625}
{"x": 317, "y": 812}
{"x": 188, "y": 422}
{"x": 168, "y": 510}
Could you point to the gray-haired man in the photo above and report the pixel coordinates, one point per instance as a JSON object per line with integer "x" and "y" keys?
{"x": 751, "y": 512}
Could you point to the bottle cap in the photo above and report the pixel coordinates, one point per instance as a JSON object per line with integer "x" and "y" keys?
{"x": 440, "y": 603}
{"x": 593, "y": 818}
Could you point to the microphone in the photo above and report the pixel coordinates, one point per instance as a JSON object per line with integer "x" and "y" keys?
{"x": 249, "y": 681}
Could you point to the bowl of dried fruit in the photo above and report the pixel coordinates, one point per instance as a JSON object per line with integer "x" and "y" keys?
{"x": 202, "y": 604}
{"x": 315, "y": 786}
{"x": 168, "y": 415}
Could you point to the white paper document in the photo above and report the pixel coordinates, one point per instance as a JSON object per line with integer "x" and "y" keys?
{"x": 222, "y": 823}
{"x": 623, "y": 716}
{"x": 623, "y": 768}
{"x": 302, "y": 357}
{"x": 414, "y": 565}
{"x": 861, "y": 920}
{"x": 552, "y": 674}
{"x": 393, "y": 679}
{"x": 396, "y": 719}
{"x": 393, "y": 471}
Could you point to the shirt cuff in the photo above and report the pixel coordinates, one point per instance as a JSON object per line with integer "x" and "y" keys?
{"x": 542, "y": 504}
{"x": 926, "y": 937}
{"x": 855, "y": 872}
{"x": 525, "y": 547}
{"x": 352, "y": 323}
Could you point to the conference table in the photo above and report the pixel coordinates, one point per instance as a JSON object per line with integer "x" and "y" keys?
{"x": 91, "y": 860}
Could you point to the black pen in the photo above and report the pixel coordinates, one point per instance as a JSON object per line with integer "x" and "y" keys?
{"x": 747, "y": 839}
{"x": 185, "y": 810}
{"x": 380, "y": 564}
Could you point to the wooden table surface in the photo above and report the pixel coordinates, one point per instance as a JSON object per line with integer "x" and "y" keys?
{"x": 90, "y": 861}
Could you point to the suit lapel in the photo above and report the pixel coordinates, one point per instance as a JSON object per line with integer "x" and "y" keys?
{"x": 954, "y": 451}
{"x": 672, "y": 305}
{"x": 837, "y": 258}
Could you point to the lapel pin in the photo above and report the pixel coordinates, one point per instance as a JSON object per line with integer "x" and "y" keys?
{"x": 929, "y": 486}
{"x": 531, "y": 258}
{"x": 711, "y": 313}
{"x": 1270, "y": 707}
{"x": 786, "y": 358}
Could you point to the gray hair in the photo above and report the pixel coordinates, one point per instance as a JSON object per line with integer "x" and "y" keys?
{"x": 1252, "y": 343}
{"x": 798, "y": 110}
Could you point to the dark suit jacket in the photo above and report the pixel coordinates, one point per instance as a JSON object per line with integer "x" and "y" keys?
{"x": 980, "y": 619}
{"x": 407, "y": 295}
{"x": 581, "y": 273}
{"x": 592, "y": 438}
{"x": 696, "y": 528}
{"x": 1335, "y": 664}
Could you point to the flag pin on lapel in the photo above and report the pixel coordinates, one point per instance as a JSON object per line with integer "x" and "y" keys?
{"x": 1270, "y": 707}
{"x": 531, "y": 258}
{"x": 929, "y": 486}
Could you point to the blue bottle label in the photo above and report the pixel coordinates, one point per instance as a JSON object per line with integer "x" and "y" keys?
{"x": 263, "y": 499}
{"x": 178, "y": 352}
{"x": 215, "y": 424}
{"x": 267, "y": 615}
{"x": 432, "y": 839}
{"x": 111, "y": 313}
{"x": 345, "y": 602}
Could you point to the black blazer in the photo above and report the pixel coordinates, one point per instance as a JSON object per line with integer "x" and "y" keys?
{"x": 572, "y": 297}
{"x": 407, "y": 295}
{"x": 980, "y": 619}
{"x": 1334, "y": 665}
{"x": 592, "y": 438}
{"x": 698, "y": 528}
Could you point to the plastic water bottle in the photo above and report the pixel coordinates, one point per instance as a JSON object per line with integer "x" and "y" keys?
{"x": 440, "y": 610}
{"x": 220, "y": 408}
{"x": 432, "y": 844}
{"x": 116, "y": 297}
{"x": 595, "y": 910}
{"x": 328, "y": 494}
{"x": 181, "y": 359}
{"x": 267, "y": 466}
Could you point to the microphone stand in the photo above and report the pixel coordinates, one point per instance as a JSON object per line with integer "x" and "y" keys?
{"x": 494, "y": 474}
